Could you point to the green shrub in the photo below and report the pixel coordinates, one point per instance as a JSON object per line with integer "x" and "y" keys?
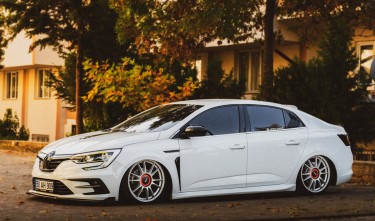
{"x": 9, "y": 128}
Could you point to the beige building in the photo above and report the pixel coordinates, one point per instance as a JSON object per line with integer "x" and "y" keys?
{"x": 245, "y": 58}
{"x": 23, "y": 89}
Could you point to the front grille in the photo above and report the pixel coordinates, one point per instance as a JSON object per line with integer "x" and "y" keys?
{"x": 61, "y": 189}
{"x": 49, "y": 165}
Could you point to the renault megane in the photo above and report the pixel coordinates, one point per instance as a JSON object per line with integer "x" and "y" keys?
{"x": 197, "y": 148}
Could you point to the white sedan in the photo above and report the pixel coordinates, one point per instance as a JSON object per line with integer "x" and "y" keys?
{"x": 197, "y": 148}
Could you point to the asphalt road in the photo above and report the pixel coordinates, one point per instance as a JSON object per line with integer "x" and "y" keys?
{"x": 344, "y": 202}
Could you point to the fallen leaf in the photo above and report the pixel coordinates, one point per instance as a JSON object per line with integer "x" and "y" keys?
{"x": 230, "y": 205}
{"x": 43, "y": 211}
{"x": 20, "y": 202}
{"x": 104, "y": 213}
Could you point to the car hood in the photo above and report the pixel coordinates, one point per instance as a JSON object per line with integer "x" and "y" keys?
{"x": 97, "y": 141}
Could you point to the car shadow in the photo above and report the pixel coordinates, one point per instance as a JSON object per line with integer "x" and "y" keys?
{"x": 211, "y": 199}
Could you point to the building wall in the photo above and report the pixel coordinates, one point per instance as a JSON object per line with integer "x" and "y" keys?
{"x": 41, "y": 112}
{"x": 17, "y": 52}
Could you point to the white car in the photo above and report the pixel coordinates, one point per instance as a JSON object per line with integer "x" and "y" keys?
{"x": 197, "y": 148}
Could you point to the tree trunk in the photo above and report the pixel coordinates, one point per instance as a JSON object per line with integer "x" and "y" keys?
{"x": 267, "y": 86}
{"x": 79, "y": 102}
{"x": 302, "y": 51}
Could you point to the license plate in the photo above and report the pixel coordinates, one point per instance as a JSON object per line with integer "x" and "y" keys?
{"x": 44, "y": 185}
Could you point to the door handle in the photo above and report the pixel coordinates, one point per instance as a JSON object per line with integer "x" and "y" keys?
{"x": 292, "y": 143}
{"x": 237, "y": 147}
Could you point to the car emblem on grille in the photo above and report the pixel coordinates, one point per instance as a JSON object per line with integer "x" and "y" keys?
{"x": 43, "y": 164}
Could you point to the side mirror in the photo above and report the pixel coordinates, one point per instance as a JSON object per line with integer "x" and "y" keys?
{"x": 194, "y": 131}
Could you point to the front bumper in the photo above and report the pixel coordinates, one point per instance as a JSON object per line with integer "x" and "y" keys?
{"x": 72, "y": 182}
{"x": 107, "y": 197}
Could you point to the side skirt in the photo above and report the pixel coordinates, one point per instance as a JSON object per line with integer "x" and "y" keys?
{"x": 246, "y": 190}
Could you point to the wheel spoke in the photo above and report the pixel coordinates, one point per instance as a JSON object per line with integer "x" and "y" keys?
{"x": 144, "y": 166}
{"x": 140, "y": 168}
{"x": 147, "y": 194}
{"x": 156, "y": 171}
{"x": 135, "y": 175}
{"x": 319, "y": 183}
{"x": 152, "y": 167}
{"x": 137, "y": 188}
{"x": 152, "y": 192}
{"x": 308, "y": 165}
{"x": 307, "y": 178}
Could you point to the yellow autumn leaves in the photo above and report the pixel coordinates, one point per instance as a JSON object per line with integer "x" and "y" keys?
{"x": 133, "y": 85}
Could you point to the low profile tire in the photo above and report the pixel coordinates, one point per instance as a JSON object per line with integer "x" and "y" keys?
{"x": 314, "y": 175}
{"x": 144, "y": 182}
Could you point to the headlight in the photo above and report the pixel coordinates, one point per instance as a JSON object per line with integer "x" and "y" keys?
{"x": 97, "y": 159}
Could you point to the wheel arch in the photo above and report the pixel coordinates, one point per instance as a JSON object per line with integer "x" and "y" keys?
{"x": 122, "y": 196}
{"x": 333, "y": 170}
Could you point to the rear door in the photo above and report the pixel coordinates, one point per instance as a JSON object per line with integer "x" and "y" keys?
{"x": 276, "y": 141}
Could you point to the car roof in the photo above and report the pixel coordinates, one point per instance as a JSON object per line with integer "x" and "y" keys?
{"x": 218, "y": 102}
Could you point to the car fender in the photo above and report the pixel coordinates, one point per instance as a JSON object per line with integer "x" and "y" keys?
{"x": 163, "y": 151}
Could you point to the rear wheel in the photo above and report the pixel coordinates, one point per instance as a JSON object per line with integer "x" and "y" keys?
{"x": 145, "y": 181}
{"x": 314, "y": 175}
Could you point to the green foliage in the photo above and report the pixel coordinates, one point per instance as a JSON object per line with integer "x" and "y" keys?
{"x": 326, "y": 86}
{"x": 134, "y": 86}
{"x": 23, "y": 134}
{"x": 219, "y": 84}
{"x": 9, "y": 128}
{"x": 177, "y": 28}
{"x": 2, "y": 37}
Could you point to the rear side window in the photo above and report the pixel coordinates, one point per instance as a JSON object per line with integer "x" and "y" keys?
{"x": 291, "y": 120}
{"x": 221, "y": 120}
{"x": 263, "y": 118}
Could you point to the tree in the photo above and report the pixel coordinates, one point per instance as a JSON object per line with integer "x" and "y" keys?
{"x": 308, "y": 19}
{"x": 269, "y": 38}
{"x": 326, "y": 86}
{"x": 179, "y": 28}
{"x": 10, "y": 128}
{"x": 57, "y": 23}
{"x": 134, "y": 86}
{"x": 2, "y": 37}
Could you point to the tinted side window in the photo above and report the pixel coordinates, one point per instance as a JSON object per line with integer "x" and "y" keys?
{"x": 265, "y": 118}
{"x": 222, "y": 120}
{"x": 291, "y": 120}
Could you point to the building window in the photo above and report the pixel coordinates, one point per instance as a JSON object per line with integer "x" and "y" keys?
{"x": 198, "y": 66}
{"x": 12, "y": 85}
{"x": 40, "y": 138}
{"x": 366, "y": 53}
{"x": 249, "y": 70}
{"x": 44, "y": 91}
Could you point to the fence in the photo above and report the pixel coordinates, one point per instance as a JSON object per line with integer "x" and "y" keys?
{"x": 364, "y": 155}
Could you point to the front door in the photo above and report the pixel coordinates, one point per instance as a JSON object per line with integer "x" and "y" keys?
{"x": 217, "y": 160}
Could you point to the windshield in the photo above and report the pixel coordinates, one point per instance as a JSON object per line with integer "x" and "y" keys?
{"x": 157, "y": 119}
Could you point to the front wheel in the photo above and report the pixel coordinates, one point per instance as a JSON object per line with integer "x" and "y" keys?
{"x": 314, "y": 175}
{"x": 145, "y": 181}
